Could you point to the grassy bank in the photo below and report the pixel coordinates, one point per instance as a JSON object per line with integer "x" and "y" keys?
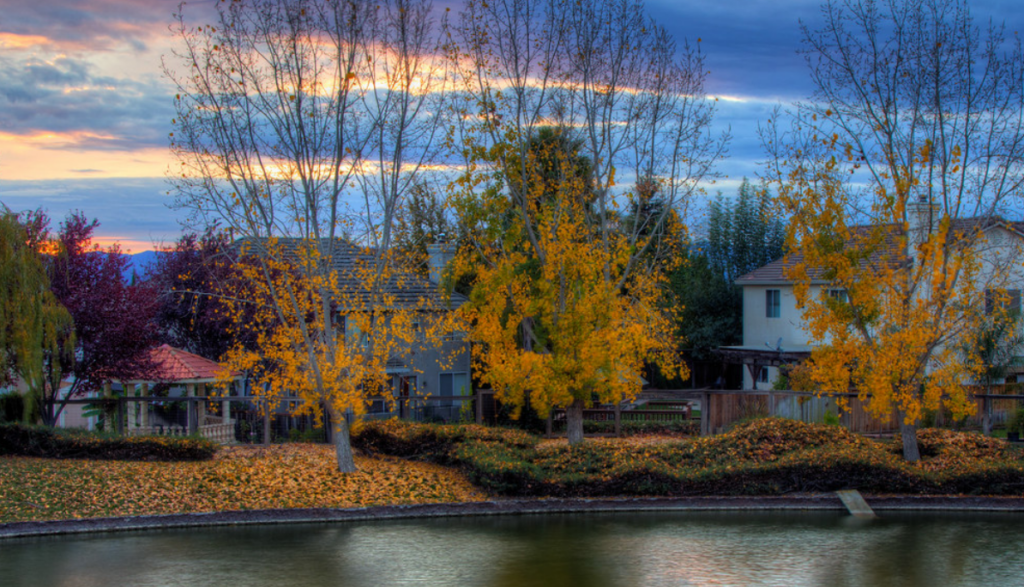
{"x": 770, "y": 456}
{"x": 404, "y": 463}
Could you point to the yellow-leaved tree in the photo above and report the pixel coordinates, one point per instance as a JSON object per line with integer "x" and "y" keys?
{"x": 322, "y": 333}
{"x": 555, "y": 316}
{"x": 895, "y": 178}
{"x": 558, "y": 102}
{"x": 300, "y": 126}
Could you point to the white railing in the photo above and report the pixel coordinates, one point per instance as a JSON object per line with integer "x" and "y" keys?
{"x": 216, "y": 430}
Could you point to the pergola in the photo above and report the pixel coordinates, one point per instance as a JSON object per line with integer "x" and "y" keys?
{"x": 756, "y": 357}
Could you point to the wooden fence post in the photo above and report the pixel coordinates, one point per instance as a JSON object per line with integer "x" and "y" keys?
{"x": 705, "y": 414}
{"x": 479, "y": 406}
{"x": 266, "y": 426}
{"x": 986, "y": 416}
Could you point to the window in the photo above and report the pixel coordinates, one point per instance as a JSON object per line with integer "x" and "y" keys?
{"x": 353, "y": 334}
{"x": 773, "y": 303}
{"x": 453, "y": 384}
{"x": 1007, "y": 300}
{"x": 762, "y": 376}
{"x": 839, "y": 295}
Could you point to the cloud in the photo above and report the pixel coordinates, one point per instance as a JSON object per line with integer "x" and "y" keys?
{"x": 67, "y": 95}
{"x": 132, "y": 211}
{"x": 96, "y": 25}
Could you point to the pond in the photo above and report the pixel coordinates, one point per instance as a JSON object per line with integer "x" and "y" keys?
{"x": 598, "y": 550}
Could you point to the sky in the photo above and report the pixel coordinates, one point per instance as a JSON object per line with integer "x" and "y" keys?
{"x": 85, "y": 110}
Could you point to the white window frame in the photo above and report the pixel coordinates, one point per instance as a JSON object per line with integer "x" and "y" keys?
{"x": 773, "y": 303}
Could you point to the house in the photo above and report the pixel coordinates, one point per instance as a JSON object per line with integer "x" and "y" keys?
{"x": 438, "y": 367}
{"x": 775, "y": 332}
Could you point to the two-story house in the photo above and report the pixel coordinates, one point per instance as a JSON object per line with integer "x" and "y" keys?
{"x": 775, "y": 332}
{"x": 437, "y": 366}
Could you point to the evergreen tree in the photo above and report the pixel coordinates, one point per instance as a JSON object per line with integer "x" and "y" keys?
{"x": 742, "y": 235}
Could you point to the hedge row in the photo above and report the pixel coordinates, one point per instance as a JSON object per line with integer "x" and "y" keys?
{"x": 765, "y": 457}
{"x": 629, "y": 428}
{"x": 43, "y": 441}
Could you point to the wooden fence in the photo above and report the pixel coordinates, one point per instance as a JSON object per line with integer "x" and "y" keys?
{"x": 719, "y": 410}
{"x": 723, "y": 408}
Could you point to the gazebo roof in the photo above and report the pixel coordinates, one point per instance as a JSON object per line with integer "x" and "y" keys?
{"x": 177, "y": 366}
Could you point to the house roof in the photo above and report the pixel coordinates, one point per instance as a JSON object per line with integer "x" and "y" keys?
{"x": 174, "y": 365}
{"x": 408, "y": 287}
{"x": 775, "y": 272}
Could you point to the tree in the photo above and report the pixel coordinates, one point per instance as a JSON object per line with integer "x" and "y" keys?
{"x": 113, "y": 321}
{"x": 712, "y": 307}
{"x": 36, "y": 332}
{"x": 422, "y": 220}
{"x": 895, "y": 176}
{"x": 565, "y": 304}
{"x": 284, "y": 108}
{"x": 743, "y": 234}
{"x": 549, "y": 321}
{"x": 189, "y": 278}
{"x": 997, "y": 342}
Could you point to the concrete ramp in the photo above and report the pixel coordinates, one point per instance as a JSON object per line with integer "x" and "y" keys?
{"x": 855, "y": 503}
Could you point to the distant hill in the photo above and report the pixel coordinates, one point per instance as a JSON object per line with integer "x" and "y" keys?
{"x": 140, "y": 264}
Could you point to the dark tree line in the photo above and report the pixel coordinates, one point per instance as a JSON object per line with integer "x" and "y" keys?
{"x": 743, "y": 234}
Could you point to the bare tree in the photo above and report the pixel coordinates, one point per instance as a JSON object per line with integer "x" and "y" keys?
{"x": 898, "y": 175}
{"x": 285, "y": 109}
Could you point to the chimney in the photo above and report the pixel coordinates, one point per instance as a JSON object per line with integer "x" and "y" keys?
{"x": 922, "y": 219}
{"x": 440, "y": 255}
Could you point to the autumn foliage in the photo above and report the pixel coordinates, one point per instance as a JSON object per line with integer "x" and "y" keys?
{"x": 561, "y": 309}
{"x": 55, "y": 443}
{"x": 769, "y": 456}
{"x": 239, "y": 478}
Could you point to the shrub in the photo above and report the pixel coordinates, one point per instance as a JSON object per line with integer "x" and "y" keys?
{"x": 762, "y": 457}
{"x": 687, "y": 427}
{"x": 12, "y": 406}
{"x": 46, "y": 442}
{"x": 941, "y": 442}
{"x": 311, "y": 435}
{"x": 1015, "y": 423}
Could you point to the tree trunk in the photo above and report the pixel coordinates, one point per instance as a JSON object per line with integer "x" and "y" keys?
{"x": 574, "y": 421}
{"x": 342, "y": 443}
{"x": 908, "y": 433}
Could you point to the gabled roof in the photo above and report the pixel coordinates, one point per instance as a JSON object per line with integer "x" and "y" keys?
{"x": 408, "y": 287}
{"x": 177, "y": 366}
{"x": 774, "y": 273}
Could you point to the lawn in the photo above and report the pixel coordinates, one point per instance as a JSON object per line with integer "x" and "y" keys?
{"x": 238, "y": 478}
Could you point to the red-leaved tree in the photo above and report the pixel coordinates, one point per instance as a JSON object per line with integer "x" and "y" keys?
{"x": 113, "y": 321}
{"x": 190, "y": 279}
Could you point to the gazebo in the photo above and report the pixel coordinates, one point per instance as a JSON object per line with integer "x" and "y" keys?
{"x": 183, "y": 369}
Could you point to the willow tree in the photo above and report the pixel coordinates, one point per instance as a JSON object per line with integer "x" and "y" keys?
{"x": 307, "y": 119}
{"x": 896, "y": 176}
{"x": 36, "y": 332}
{"x": 565, "y": 301}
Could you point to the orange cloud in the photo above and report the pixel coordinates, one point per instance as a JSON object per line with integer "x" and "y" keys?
{"x": 127, "y": 244}
{"x": 53, "y": 155}
{"x": 16, "y": 41}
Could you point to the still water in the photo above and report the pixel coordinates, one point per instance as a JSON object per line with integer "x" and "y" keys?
{"x": 595, "y": 550}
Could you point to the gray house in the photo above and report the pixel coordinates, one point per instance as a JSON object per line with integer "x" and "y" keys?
{"x": 428, "y": 380}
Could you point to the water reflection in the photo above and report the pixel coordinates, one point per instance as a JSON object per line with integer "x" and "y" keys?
{"x": 607, "y": 550}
